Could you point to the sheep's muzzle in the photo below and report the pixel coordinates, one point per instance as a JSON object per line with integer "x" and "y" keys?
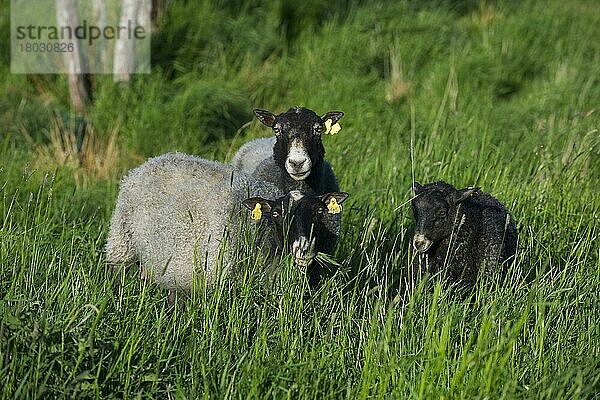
{"x": 420, "y": 243}
{"x": 303, "y": 250}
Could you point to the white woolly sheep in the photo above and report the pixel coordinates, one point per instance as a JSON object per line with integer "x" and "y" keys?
{"x": 174, "y": 212}
{"x": 252, "y": 154}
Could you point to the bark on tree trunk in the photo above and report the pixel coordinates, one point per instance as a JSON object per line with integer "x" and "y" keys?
{"x": 79, "y": 84}
{"x": 100, "y": 17}
{"x": 124, "y": 63}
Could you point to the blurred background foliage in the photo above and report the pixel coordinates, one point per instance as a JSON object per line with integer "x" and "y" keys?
{"x": 497, "y": 72}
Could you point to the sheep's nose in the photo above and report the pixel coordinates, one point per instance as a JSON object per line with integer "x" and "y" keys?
{"x": 421, "y": 243}
{"x": 296, "y": 164}
{"x": 303, "y": 250}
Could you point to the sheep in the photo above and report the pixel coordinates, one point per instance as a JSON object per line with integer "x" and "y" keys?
{"x": 174, "y": 212}
{"x": 252, "y": 154}
{"x": 459, "y": 230}
{"x": 294, "y": 158}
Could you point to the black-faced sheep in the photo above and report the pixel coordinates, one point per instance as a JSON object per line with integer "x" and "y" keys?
{"x": 175, "y": 211}
{"x": 461, "y": 231}
{"x": 294, "y": 158}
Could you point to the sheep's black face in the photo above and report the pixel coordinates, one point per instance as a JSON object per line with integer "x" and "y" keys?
{"x": 301, "y": 221}
{"x": 435, "y": 211}
{"x": 431, "y": 220}
{"x": 298, "y": 148}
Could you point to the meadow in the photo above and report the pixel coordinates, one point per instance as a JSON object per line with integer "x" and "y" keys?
{"x": 504, "y": 95}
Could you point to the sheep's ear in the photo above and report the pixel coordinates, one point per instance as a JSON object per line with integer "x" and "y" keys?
{"x": 264, "y": 116}
{"x": 258, "y": 206}
{"x": 334, "y": 116}
{"x": 462, "y": 194}
{"x": 417, "y": 188}
{"x": 334, "y": 201}
{"x": 339, "y": 197}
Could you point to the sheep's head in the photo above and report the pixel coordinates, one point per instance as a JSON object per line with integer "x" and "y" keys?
{"x": 301, "y": 221}
{"x": 435, "y": 209}
{"x": 298, "y": 131}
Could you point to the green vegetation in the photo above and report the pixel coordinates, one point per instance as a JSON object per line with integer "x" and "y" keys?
{"x": 503, "y": 95}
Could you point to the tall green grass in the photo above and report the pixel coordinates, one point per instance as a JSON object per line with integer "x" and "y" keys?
{"x": 501, "y": 95}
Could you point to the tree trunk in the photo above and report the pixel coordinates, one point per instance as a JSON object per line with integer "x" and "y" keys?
{"x": 144, "y": 17}
{"x": 99, "y": 7}
{"x": 79, "y": 84}
{"x": 158, "y": 9}
{"x": 124, "y": 63}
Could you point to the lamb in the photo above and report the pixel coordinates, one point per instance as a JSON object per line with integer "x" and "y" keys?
{"x": 175, "y": 211}
{"x": 462, "y": 231}
{"x": 294, "y": 158}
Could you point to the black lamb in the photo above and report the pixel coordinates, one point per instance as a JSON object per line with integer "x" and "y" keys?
{"x": 461, "y": 231}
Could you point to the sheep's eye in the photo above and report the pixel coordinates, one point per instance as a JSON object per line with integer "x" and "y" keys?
{"x": 320, "y": 210}
{"x": 277, "y": 130}
{"x": 441, "y": 214}
{"x": 275, "y": 214}
{"x": 317, "y": 128}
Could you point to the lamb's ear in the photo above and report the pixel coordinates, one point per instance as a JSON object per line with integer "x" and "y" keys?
{"x": 334, "y": 116}
{"x": 334, "y": 201}
{"x": 417, "y": 188}
{"x": 462, "y": 194}
{"x": 339, "y": 197}
{"x": 258, "y": 206}
{"x": 264, "y": 116}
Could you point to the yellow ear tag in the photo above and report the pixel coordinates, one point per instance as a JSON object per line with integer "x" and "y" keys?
{"x": 333, "y": 207}
{"x": 256, "y": 213}
{"x": 332, "y": 129}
